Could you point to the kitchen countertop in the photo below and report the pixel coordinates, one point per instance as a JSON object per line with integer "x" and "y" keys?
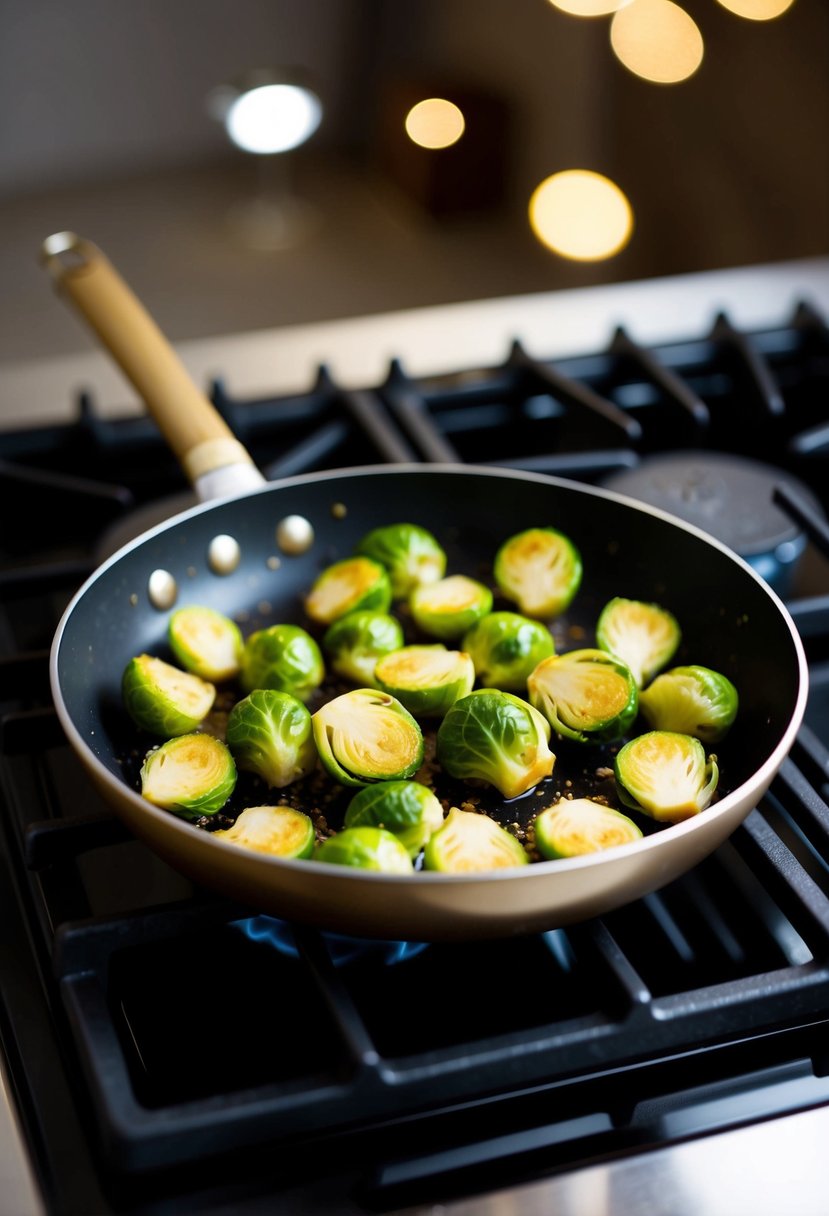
{"x": 357, "y": 350}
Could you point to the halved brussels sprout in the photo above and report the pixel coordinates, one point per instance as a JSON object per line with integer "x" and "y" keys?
{"x": 356, "y": 641}
{"x": 692, "y": 700}
{"x": 206, "y": 642}
{"x": 586, "y": 695}
{"x": 278, "y": 830}
{"x": 579, "y": 825}
{"x": 270, "y": 734}
{"x": 284, "y": 657}
{"x": 408, "y": 809}
{"x": 665, "y": 774}
{"x": 540, "y": 570}
{"x": 162, "y": 699}
{"x": 346, "y": 586}
{"x": 366, "y": 848}
{"x": 365, "y": 735}
{"x": 494, "y": 736}
{"x": 644, "y": 636}
{"x": 410, "y": 553}
{"x": 192, "y": 775}
{"x": 506, "y": 647}
{"x": 448, "y": 608}
{"x": 426, "y": 679}
{"x": 470, "y": 842}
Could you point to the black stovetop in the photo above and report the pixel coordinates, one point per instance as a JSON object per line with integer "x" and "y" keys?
{"x": 167, "y": 1048}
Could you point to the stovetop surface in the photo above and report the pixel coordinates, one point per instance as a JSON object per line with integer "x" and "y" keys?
{"x": 166, "y": 1047}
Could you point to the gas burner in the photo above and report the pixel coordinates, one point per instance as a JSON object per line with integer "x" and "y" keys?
{"x": 731, "y": 498}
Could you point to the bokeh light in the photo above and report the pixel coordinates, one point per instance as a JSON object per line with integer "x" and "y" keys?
{"x": 588, "y": 8}
{"x": 657, "y": 40}
{"x": 435, "y": 123}
{"x": 273, "y": 118}
{"x": 581, "y": 215}
{"x": 757, "y": 10}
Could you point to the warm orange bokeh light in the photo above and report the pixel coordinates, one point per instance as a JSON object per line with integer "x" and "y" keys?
{"x": 435, "y": 123}
{"x": 581, "y": 215}
{"x": 588, "y": 8}
{"x": 657, "y": 40}
{"x": 757, "y": 10}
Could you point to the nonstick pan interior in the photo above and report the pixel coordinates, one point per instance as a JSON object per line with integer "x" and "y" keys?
{"x": 729, "y": 618}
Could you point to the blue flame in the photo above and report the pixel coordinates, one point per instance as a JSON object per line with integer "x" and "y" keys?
{"x": 342, "y": 949}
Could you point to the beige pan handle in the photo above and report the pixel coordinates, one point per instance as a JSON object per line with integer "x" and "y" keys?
{"x": 212, "y": 458}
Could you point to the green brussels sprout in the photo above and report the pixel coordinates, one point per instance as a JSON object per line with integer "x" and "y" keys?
{"x": 162, "y": 699}
{"x": 506, "y": 647}
{"x": 411, "y": 555}
{"x": 579, "y": 825}
{"x": 496, "y": 737}
{"x": 192, "y": 775}
{"x": 692, "y": 700}
{"x": 356, "y": 641}
{"x": 540, "y": 570}
{"x": 205, "y": 642}
{"x": 346, "y": 586}
{"x": 278, "y": 830}
{"x": 406, "y": 808}
{"x": 450, "y": 607}
{"x": 365, "y": 735}
{"x": 665, "y": 774}
{"x": 284, "y": 657}
{"x": 270, "y": 734}
{"x": 644, "y": 636}
{"x": 470, "y": 842}
{"x": 426, "y": 679}
{"x": 586, "y": 695}
{"x": 366, "y": 848}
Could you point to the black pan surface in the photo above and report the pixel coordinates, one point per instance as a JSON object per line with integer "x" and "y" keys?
{"x": 730, "y": 619}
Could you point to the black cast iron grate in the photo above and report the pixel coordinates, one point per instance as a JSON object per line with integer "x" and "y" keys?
{"x": 688, "y": 1009}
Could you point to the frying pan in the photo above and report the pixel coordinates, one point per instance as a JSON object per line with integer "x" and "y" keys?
{"x": 731, "y": 621}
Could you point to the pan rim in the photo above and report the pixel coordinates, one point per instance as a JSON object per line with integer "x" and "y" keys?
{"x": 535, "y": 871}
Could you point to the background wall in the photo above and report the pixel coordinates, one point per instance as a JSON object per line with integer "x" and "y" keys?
{"x": 104, "y": 128}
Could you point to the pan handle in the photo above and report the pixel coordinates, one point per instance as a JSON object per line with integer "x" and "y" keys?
{"x": 212, "y": 458}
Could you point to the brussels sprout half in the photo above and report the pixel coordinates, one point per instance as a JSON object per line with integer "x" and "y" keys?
{"x": 284, "y": 657}
{"x": 644, "y": 636}
{"x": 192, "y": 775}
{"x": 366, "y": 735}
{"x": 278, "y": 830}
{"x": 506, "y": 647}
{"x": 406, "y": 808}
{"x": 665, "y": 774}
{"x": 162, "y": 699}
{"x": 586, "y": 695}
{"x": 205, "y": 642}
{"x": 356, "y": 641}
{"x": 367, "y": 848}
{"x": 470, "y": 842}
{"x": 426, "y": 679}
{"x": 496, "y": 737}
{"x": 579, "y": 825}
{"x": 410, "y": 553}
{"x": 692, "y": 700}
{"x": 448, "y": 608}
{"x": 540, "y": 570}
{"x": 346, "y": 586}
{"x": 269, "y": 733}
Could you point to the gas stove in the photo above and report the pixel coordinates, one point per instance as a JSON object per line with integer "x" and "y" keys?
{"x": 164, "y": 1049}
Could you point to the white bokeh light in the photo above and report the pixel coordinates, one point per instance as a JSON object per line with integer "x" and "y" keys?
{"x": 273, "y": 118}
